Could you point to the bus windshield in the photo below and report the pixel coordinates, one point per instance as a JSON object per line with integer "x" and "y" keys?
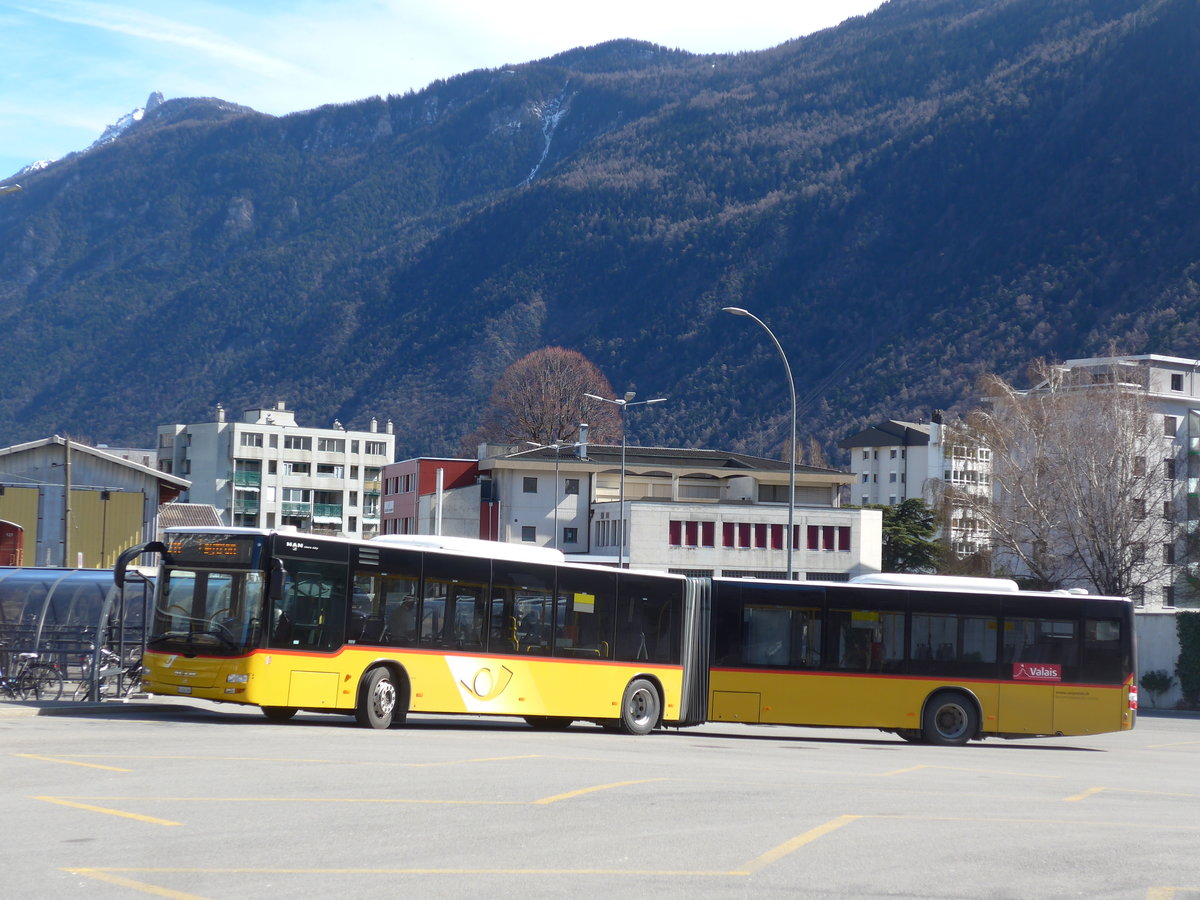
{"x": 205, "y": 611}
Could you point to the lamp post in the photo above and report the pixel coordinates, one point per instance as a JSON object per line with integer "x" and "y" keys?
{"x": 624, "y": 403}
{"x": 791, "y": 533}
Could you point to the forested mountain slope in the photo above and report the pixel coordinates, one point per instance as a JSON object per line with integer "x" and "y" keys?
{"x": 939, "y": 189}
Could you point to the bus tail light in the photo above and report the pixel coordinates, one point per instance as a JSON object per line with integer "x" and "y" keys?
{"x": 1133, "y": 696}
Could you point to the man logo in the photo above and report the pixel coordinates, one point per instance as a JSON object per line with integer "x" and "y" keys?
{"x": 486, "y": 686}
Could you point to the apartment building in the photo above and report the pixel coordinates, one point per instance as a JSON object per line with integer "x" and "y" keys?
{"x": 267, "y": 471}
{"x": 702, "y": 512}
{"x": 894, "y": 461}
{"x": 1172, "y": 389}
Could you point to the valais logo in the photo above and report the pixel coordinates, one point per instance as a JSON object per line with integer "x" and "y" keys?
{"x": 1037, "y": 671}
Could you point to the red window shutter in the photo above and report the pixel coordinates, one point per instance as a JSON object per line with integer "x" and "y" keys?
{"x": 776, "y": 537}
{"x": 828, "y": 541}
{"x": 673, "y": 533}
{"x": 707, "y": 532}
{"x": 727, "y": 535}
{"x": 814, "y": 537}
{"x": 760, "y": 534}
{"x": 844, "y": 537}
{"x": 743, "y": 534}
{"x": 692, "y": 533}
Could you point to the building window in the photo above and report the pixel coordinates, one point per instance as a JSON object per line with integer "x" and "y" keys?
{"x": 297, "y": 442}
{"x": 528, "y": 533}
{"x": 1138, "y": 596}
{"x": 1169, "y": 595}
{"x": 1170, "y": 425}
{"x": 891, "y": 477}
{"x": 252, "y": 439}
{"x": 571, "y": 486}
{"x": 375, "y": 448}
{"x": 1169, "y": 554}
{"x": 675, "y": 533}
{"x": 570, "y": 536}
{"x": 529, "y": 485}
{"x": 1169, "y": 469}
{"x": 691, "y": 534}
{"x": 893, "y": 454}
{"x": 866, "y": 478}
{"x": 1176, "y": 381}
{"x": 295, "y": 468}
{"x": 328, "y": 470}
{"x": 708, "y": 534}
{"x": 866, "y": 454}
{"x": 331, "y": 445}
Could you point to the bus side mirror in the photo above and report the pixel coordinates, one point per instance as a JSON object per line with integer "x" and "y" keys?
{"x": 275, "y": 588}
{"x": 131, "y": 554}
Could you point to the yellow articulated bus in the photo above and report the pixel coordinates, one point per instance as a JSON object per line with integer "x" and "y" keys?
{"x": 377, "y": 629}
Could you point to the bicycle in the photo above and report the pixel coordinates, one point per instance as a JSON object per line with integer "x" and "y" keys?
{"x": 33, "y": 680}
{"x": 115, "y": 677}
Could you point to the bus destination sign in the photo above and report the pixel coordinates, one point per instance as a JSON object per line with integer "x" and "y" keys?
{"x": 211, "y": 548}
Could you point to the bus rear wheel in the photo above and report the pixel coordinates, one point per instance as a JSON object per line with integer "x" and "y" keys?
{"x": 376, "y": 699}
{"x": 278, "y": 713}
{"x": 640, "y": 707}
{"x": 949, "y": 719}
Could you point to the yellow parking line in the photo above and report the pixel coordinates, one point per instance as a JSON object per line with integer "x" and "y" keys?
{"x": 590, "y": 790}
{"x": 1090, "y": 792}
{"x": 339, "y": 762}
{"x": 62, "y": 801}
{"x": 152, "y": 889}
{"x": 70, "y": 762}
{"x": 794, "y": 844}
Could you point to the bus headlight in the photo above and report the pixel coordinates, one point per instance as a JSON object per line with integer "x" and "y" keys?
{"x": 236, "y": 679}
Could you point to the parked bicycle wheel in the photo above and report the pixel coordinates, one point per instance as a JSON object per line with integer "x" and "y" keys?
{"x": 41, "y": 682}
{"x": 84, "y": 688}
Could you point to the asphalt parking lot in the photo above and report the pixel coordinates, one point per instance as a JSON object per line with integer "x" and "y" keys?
{"x": 185, "y": 799}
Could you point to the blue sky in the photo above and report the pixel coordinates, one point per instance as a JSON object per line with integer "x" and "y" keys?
{"x": 68, "y": 68}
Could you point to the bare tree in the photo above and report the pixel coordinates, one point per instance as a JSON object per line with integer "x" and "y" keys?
{"x": 1082, "y": 481}
{"x": 540, "y": 398}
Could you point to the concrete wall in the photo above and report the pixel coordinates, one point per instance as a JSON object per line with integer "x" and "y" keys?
{"x": 1158, "y": 648}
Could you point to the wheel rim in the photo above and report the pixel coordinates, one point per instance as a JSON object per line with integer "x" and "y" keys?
{"x": 951, "y": 721}
{"x": 639, "y": 707}
{"x": 384, "y": 698}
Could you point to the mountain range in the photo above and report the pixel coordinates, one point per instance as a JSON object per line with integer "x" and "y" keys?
{"x": 920, "y": 196}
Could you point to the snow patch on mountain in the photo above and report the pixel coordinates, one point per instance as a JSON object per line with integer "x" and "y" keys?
{"x": 127, "y": 121}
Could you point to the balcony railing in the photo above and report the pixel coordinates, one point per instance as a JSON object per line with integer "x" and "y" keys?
{"x": 245, "y": 505}
{"x": 246, "y": 479}
{"x": 327, "y": 509}
{"x": 304, "y": 510}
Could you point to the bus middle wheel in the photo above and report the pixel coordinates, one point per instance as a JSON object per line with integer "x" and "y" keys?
{"x": 640, "y": 707}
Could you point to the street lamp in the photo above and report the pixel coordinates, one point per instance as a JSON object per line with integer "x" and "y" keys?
{"x": 624, "y": 403}
{"x": 791, "y": 535}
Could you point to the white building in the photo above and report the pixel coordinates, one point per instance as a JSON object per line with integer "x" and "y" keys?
{"x": 266, "y": 471}
{"x": 894, "y": 461}
{"x": 1172, "y": 388}
{"x": 703, "y": 512}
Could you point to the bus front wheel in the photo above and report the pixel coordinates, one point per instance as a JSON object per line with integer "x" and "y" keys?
{"x": 640, "y": 707}
{"x": 278, "y": 713}
{"x": 376, "y": 699}
{"x": 950, "y": 718}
